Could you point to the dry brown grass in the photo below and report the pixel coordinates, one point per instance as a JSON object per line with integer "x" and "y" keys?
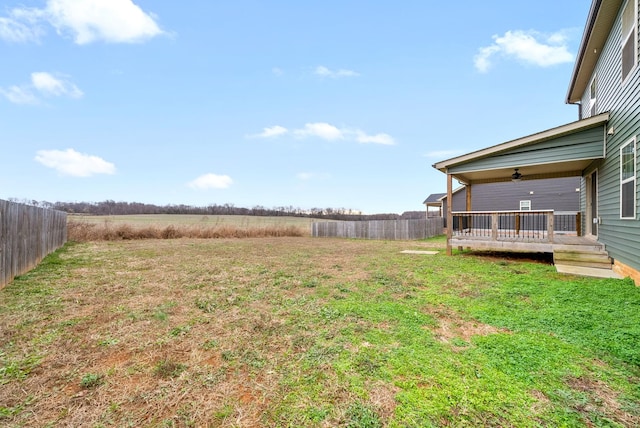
{"x": 80, "y": 231}
{"x": 180, "y": 332}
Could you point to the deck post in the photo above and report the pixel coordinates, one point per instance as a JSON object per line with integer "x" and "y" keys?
{"x": 579, "y": 223}
{"x": 550, "y": 226}
{"x": 449, "y": 213}
{"x": 494, "y": 226}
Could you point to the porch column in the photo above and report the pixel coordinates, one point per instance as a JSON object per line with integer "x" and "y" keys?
{"x": 449, "y": 213}
{"x": 468, "y": 207}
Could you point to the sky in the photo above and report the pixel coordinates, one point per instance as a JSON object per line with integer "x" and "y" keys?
{"x": 310, "y": 104}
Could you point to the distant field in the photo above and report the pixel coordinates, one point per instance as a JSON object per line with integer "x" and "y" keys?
{"x": 125, "y": 227}
{"x": 189, "y": 220}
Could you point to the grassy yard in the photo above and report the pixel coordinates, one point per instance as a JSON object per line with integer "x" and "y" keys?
{"x": 302, "y": 332}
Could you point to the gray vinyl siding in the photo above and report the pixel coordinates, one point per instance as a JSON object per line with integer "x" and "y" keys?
{"x": 557, "y": 194}
{"x": 621, "y": 237}
{"x": 586, "y": 144}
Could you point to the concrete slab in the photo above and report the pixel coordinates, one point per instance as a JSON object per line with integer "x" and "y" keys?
{"x": 586, "y": 271}
{"x": 430, "y": 253}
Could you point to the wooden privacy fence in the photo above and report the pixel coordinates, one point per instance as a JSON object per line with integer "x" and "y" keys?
{"x": 379, "y": 229}
{"x": 27, "y": 235}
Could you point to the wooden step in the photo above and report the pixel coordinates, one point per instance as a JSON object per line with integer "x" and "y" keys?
{"x": 586, "y": 271}
{"x": 592, "y": 264}
{"x": 595, "y": 246}
{"x": 582, "y": 256}
{"x": 587, "y": 257}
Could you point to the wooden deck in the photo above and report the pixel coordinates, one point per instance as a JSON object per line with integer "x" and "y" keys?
{"x": 574, "y": 255}
{"x": 517, "y": 231}
{"x": 526, "y": 245}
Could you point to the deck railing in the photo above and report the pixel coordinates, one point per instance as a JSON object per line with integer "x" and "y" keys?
{"x": 529, "y": 226}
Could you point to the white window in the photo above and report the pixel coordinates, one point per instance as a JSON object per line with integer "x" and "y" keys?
{"x": 628, "y": 180}
{"x": 629, "y": 38}
{"x": 592, "y": 98}
{"x": 525, "y": 205}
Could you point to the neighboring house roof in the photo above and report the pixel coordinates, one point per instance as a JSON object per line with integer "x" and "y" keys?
{"x": 434, "y": 198}
{"x": 601, "y": 18}
{"x": 503, "y": 168}
{"x": 456, "y": 190}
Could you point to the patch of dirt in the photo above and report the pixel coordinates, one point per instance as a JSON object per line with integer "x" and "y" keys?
{"x": 451, "y": 327}
{"x": 383, "y": 397}
{"x": 601, "y": 399}
{"x": 541, "y": 403}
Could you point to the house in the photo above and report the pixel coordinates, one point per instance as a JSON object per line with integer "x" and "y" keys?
{"x": 434, "y": 205}
{"x": 599, "y": 148}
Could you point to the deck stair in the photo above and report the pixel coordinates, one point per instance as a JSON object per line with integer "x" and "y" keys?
{"x": 585, "y": 259}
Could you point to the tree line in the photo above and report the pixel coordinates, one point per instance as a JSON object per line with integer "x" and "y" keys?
{"x": 110, "y": 207}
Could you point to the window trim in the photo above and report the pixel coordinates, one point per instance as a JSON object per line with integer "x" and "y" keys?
{"x": 526, "y": 204}
{"x": 593, "y": 99}
{"x": 632, "y": 32}
{"x": 630, "y": 179}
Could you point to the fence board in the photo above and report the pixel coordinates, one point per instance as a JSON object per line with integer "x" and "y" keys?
{"x": 27, "y": 235}
{"x": 379, "y": 229}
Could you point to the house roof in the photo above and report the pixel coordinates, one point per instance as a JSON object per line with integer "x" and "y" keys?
{"x": 434, "y": 198}
{"x": 456, "y": 190}
{"x": 573, "y": 128}
{"x": 601, "y": 18}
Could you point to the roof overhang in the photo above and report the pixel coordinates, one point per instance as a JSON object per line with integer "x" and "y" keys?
{"x": 601, "y": 18}
{"x": 531, "y": 169}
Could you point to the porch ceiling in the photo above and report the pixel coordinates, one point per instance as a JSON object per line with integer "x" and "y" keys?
{"x": 529, "y": 172}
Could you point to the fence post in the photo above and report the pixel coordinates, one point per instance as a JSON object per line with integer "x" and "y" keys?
{"x": 550, "y": 226}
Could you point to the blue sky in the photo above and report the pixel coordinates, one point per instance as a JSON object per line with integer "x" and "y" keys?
{"x": 332, "y": 103}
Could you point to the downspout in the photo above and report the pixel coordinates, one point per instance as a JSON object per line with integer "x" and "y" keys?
{"x": 579, "y": 108}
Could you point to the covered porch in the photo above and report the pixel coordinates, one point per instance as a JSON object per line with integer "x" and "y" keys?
{"x": 570, "y": 150}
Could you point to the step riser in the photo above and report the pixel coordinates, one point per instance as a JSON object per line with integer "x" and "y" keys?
{"x": 598, "y": 248}
{"x": 584, "y": 258}
{"x": 606, "y": 265}
{"x": 576, "y": 270}
{"x": 591, "y": 258}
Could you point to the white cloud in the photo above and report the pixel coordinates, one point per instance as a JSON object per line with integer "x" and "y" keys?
{"x": 116, "y": 21}
{"x": 86, "y": 21}
{"x": 327, "y": 132}
{"x": 321, "y": 130}
{"x": 73, "y": 163}
{"x": 530, "y": 47}
{"x": 211, "y": 181}
{"x": 325, "y": 72}
{"x": 270, "y": 132}
{"x": 384, "y": 139}
{"x": 49, "y": 85}
{"x": 44, "y": 84}
{"x": 19, "y": 95}
{"x": 19, "y": 28}
{"x": 277, "y": 71}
